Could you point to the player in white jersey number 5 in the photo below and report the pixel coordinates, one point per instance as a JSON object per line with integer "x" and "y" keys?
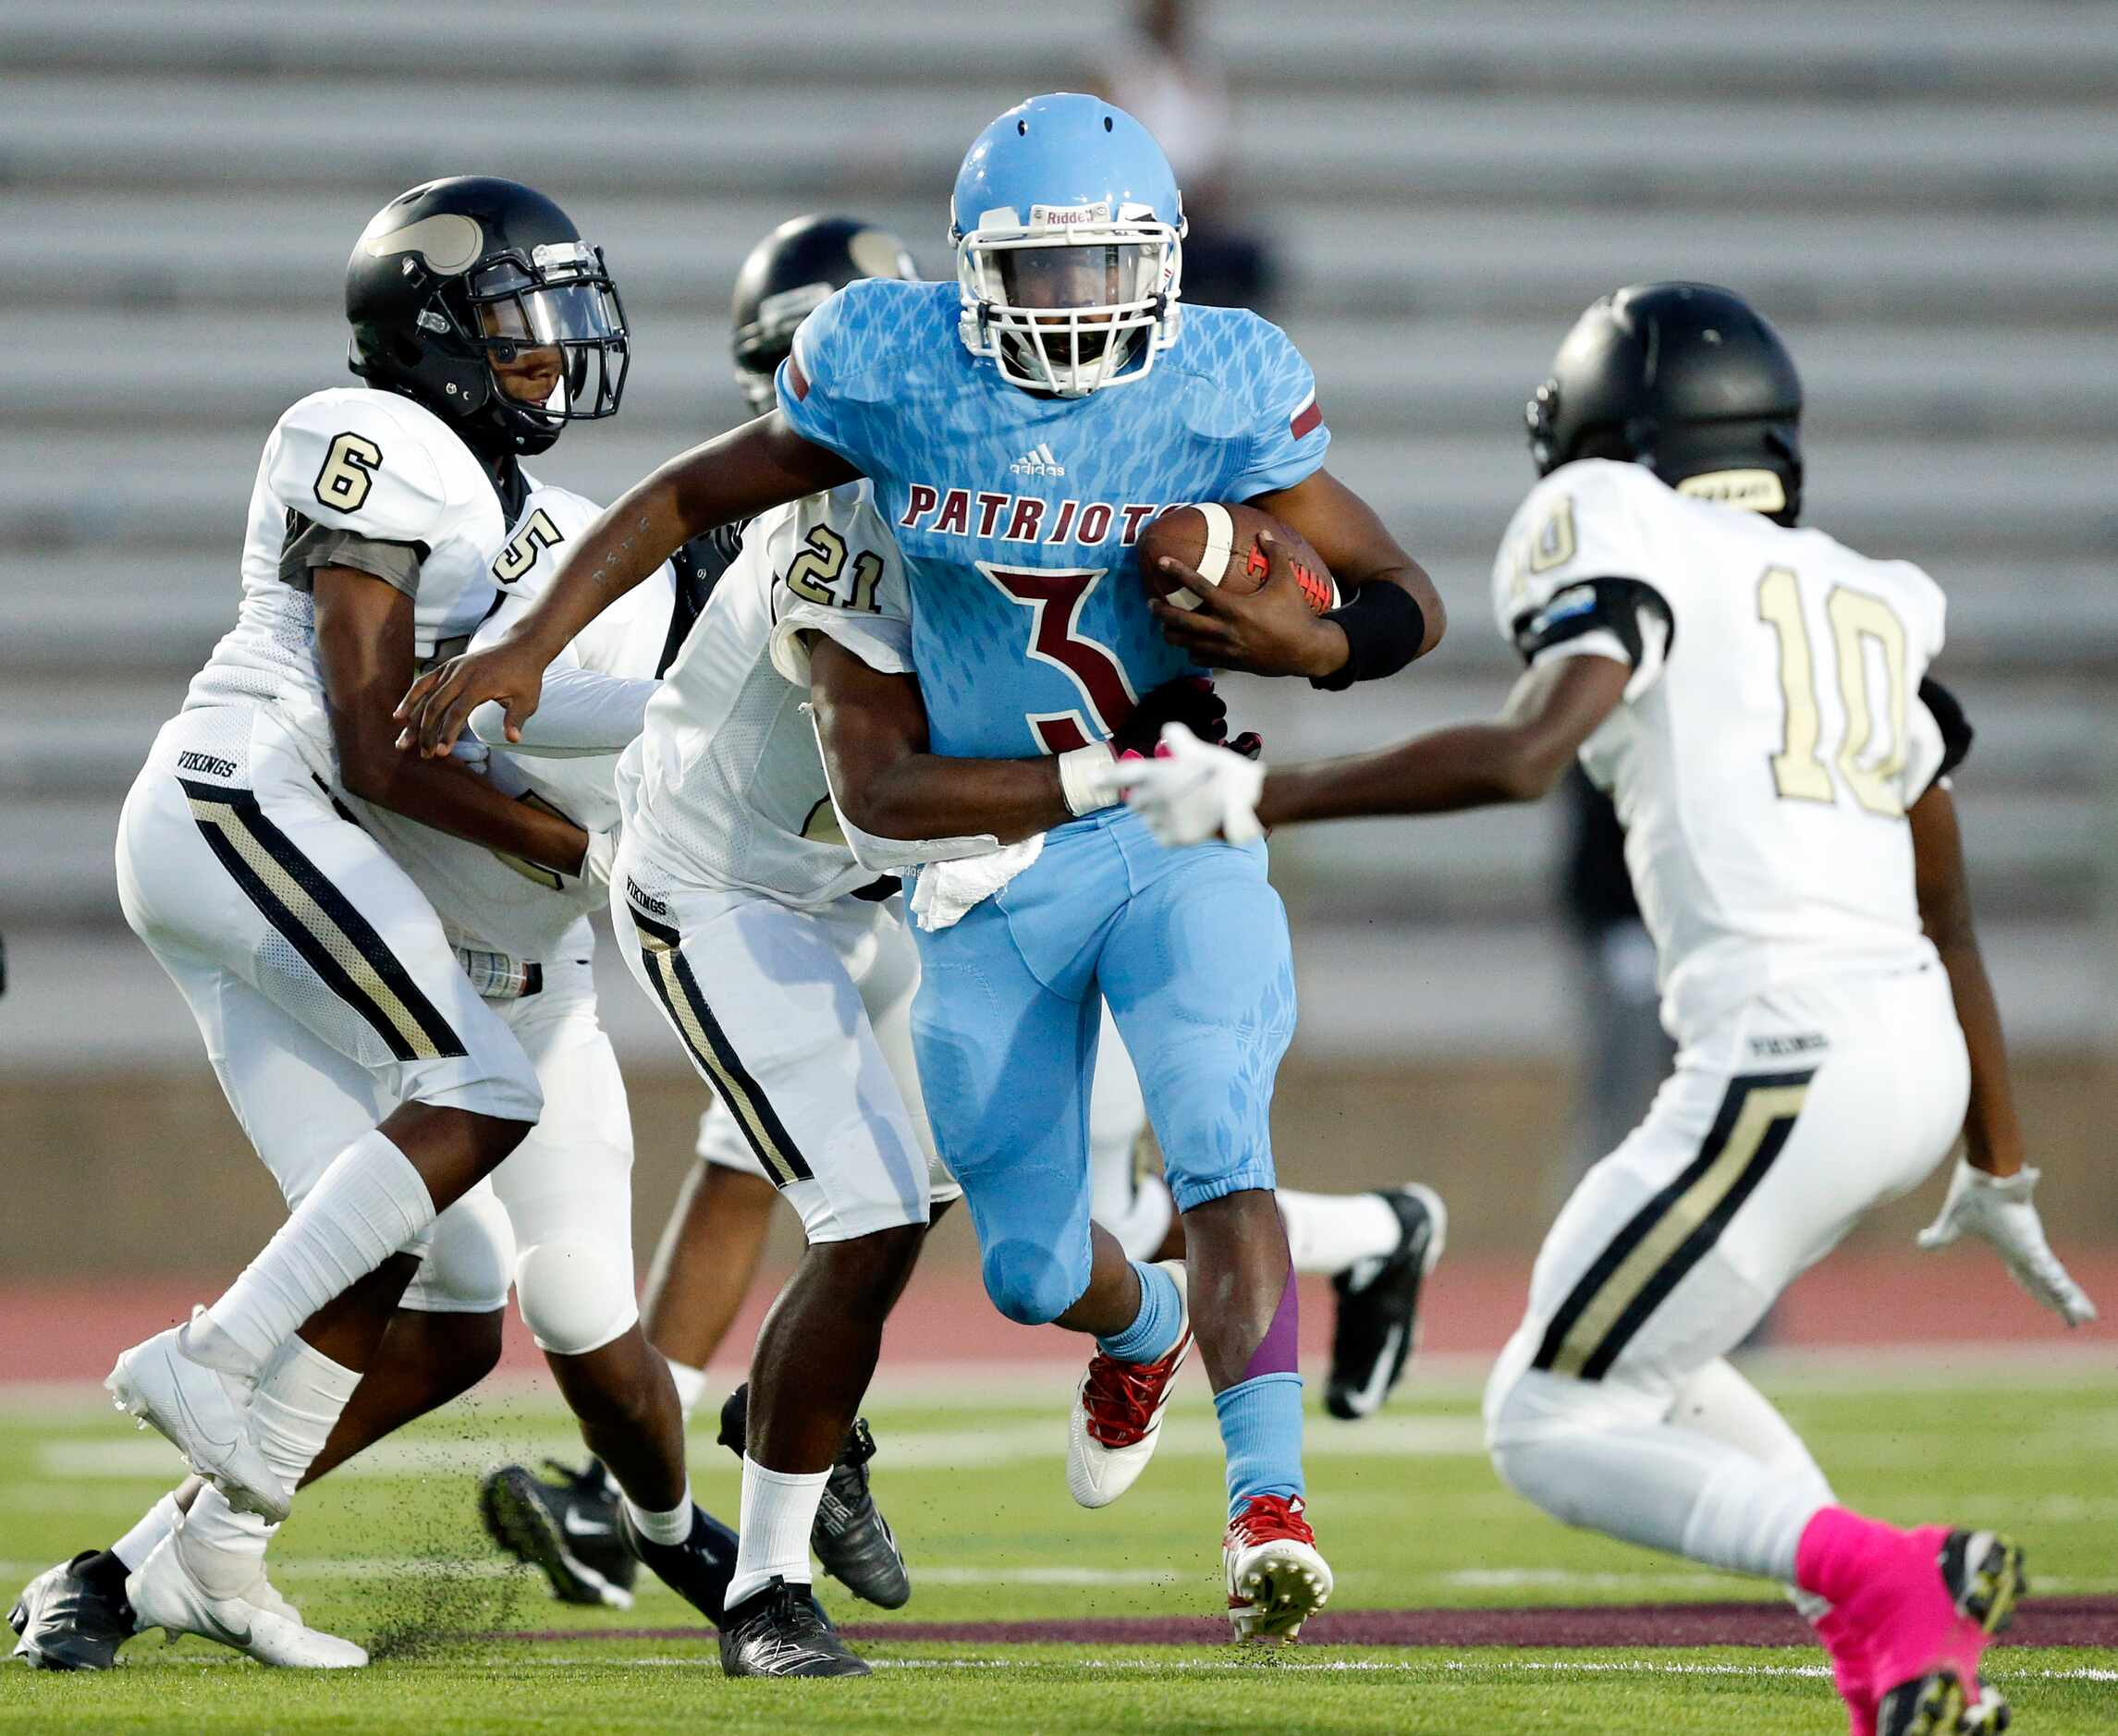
{"x": 1755, "y": 696}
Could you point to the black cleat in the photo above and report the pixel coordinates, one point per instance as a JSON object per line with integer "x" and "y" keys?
{"x": 698, "y": 1569}
{"x": 779, "y": 1632}
{"x": 567, "y": 1529}
{"x": 850, "y": 1537}
{"x": 1378, "y": 1306}
{"x": 68, "y": 1620}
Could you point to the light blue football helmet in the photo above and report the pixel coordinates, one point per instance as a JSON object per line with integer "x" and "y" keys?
{"x": 1069, "y": 232}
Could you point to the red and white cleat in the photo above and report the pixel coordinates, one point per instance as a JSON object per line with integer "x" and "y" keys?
{"x": 1276, "y": 1578}
{"x": 1117, "y": 1414}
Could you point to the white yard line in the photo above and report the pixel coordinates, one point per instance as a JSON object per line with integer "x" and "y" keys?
{"x": 1273, "y": 1664}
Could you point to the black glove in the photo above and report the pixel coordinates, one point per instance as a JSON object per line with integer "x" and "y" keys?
{"x": 1189, "y": 700}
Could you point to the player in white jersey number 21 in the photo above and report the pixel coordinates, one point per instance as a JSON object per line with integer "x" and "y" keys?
{"x": 1755, "y": 697}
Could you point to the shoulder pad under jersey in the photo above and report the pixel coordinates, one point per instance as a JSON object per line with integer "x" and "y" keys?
{"x": 374, "y": 464}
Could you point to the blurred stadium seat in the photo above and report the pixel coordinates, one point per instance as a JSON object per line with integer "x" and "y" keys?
{"x": 1920, "y": 194}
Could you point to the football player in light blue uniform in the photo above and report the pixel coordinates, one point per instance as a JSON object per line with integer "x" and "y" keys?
{"x": 1021, "y": 427}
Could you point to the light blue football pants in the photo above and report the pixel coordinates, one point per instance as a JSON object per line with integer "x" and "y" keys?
{"x": 1189, "y": 949}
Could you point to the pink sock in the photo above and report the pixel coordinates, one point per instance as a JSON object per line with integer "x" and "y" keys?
{"x": 1837, "y": 1549}
{"x": 1890, "y": 1605}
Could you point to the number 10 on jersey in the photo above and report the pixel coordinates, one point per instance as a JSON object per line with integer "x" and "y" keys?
{"x": 1859, "y": 620}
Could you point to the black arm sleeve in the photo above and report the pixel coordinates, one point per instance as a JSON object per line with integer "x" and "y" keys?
{"x": 1956, "y": 731}
{"x": 699, "y": 566}
{"x": 1611, "y": 606}
{"x": 1384, "y": 628}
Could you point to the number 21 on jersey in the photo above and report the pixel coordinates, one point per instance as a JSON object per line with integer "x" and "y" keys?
{"x": 1858, "y": 621}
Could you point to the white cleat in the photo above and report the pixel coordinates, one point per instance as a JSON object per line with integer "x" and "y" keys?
{"x": 261, "y": 1624}
{"x": 1276, "y": 1578}
{"x": 204, "y": 1414}
{"x": 1116, "y": 1418}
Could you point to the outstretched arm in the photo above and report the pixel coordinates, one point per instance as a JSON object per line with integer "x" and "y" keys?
{"x": 748, "y": 471}
{"x": 1990, "y": 1192}
{"x": 1518, "y": 757}
{"x": 1992, "y": 1136}
{"x": 871, "y": 728}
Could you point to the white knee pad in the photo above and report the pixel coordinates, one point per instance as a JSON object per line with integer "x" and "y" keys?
{"x": 1135, "y": 1207}
{"x": 1609, "y": 1456}
{"x": 576, "y": 1295}
{"x": 465, "y": 1266}
{"x": 1126, "y": 1194}
{"x": 1719, "y": 1402}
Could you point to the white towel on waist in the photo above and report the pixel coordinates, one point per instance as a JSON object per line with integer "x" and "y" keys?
{"x": 948, "y": 891}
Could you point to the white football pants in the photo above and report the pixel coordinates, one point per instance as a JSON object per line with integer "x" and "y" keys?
{"x": 327, "y": 994}
{"x": 1777, "y": 1131}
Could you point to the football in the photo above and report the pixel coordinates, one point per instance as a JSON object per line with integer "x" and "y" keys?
{"x": 1219, "y": 543}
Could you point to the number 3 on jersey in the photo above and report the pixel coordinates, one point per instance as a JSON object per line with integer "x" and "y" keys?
{"x": 1858, "y": 621}
{"x": 1054, "y": 597}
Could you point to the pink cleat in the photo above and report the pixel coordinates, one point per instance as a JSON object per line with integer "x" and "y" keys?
{"x": 1912, "y": 1613}
{"x": 1849, "y": 1670}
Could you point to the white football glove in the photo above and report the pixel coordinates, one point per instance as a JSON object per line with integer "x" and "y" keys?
{"x": 596, "y": 865}
{"x": 1999, "y": 1209}
{"x": 1193, "y": 791}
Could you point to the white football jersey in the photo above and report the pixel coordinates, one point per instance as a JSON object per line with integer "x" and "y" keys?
{"x": 367, "y": 465}
{"x": 1772, "y": 737}
{"x": 725, "y": 786}
{"x": 596, "y": 694}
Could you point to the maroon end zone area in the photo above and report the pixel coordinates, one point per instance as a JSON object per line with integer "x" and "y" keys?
{"x": 2083, "y": 1621}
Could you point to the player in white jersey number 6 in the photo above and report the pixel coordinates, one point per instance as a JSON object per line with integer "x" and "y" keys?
{"x": 378, "y": 1081}
{"x": 1755, "y": 698}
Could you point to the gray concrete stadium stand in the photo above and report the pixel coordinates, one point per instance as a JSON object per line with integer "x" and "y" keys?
{"x": 1921, "y": 194}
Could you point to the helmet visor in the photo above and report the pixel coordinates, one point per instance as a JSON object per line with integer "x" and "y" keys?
{"x": 1071, "y": 316}
{"x": 574, "y": 323}
{"x": 551, "y": 313}
{"x": 1110, "y": 277}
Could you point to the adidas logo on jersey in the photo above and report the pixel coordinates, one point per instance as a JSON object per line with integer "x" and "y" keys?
{"x": 1037, "y": 462}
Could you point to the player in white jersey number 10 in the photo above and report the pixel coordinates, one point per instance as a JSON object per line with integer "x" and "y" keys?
{"x": 1755, "y": 696}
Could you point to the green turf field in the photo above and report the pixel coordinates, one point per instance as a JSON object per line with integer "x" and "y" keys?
{"x": 1405, "y": 1507}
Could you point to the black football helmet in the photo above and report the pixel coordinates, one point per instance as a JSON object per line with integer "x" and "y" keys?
{"x": 787, "y": 275}
{"x": 461, "y": 273}
{"x": 1686, "y": 379}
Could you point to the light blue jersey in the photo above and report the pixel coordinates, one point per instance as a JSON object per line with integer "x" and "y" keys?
{"x": 1018, "y": 514}
{"x": 1021, "y": 427}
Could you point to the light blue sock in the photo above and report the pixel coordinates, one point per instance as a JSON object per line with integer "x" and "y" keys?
{"x": 1153, "y": 1328}
{"x": 1261, "y": 1428}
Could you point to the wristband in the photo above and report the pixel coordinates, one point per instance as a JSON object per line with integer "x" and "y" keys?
{"x": 1080, "y": 783}
{"x": 1384, "y": 628}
